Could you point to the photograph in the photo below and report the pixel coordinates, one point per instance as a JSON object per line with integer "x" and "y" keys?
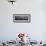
{"x": 22, "y": 22}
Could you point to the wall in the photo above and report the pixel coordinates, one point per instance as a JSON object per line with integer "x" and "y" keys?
{"x": 37, "y": 27}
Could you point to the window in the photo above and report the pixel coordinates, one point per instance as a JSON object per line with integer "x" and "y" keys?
{"x": 21, "y": 18}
